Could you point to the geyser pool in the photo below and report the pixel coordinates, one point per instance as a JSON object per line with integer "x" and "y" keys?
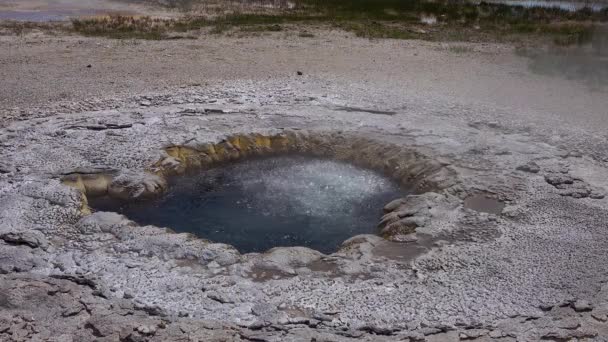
{"x": 258, "y": 204}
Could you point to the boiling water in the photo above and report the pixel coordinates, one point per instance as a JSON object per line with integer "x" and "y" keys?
{"x": 259, "y": 204}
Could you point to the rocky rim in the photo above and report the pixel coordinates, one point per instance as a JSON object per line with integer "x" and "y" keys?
{"x": 526, "y": 274}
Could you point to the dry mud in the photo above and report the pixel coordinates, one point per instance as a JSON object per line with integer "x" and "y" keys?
{"x": 534, "y": 270}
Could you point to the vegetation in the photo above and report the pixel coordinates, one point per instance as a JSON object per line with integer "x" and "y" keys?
{"x": 400, "y": 19}
{"x": 124, "y": 27}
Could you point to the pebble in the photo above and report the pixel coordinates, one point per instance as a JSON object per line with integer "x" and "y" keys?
{"x": 531, "y": 167}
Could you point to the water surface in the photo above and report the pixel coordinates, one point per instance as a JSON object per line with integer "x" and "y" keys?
{"x": 571, "y": 6}
{"x": 259, "y": 204}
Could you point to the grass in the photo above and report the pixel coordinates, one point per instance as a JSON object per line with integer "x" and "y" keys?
{"x": 124, "y": 27}
{"x": 376, "y": 29}
{"x": 20, "y": 28}
{"x": 262, "y": 28}
{"x": 396, "y": 19}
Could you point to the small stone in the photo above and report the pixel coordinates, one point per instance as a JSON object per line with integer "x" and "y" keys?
{"x": 557, "y": 178}
{"x": 145, "y": 103}
{"x": 472, "y": 333}
{"x": 574, "y": 192}
{"x": 300, "y": 73}
{"x": 597, "y": 194}
{"x": 600, "y": 313}
{"x": 531, "y": 167}
{"x": 496, "y": 333}
{"x": 72, "y": 311}
{"x": 582, "y": 305}
{"x": 89, "y": 66}
{"x": 146, "y": 329}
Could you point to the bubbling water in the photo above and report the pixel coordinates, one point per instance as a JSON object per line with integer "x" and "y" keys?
{"x": 258, "y": 204}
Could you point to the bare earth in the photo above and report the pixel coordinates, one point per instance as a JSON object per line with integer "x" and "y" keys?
{"x": 39, "y": 70}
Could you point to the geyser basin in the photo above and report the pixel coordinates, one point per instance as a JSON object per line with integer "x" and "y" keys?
{"x": 258, "y": 204}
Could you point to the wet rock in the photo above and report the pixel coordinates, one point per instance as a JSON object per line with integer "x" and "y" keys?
{"x": 288, "y": 259}
{"x": 363, "y": 239}
{"x": 404, "y": 238}
{"x": 404, "y": 215}
{"x": 131, "y": 186}
{"x": 530, "y": 167}
{"x": 403, "y": 227}
{"x": 393, "y": 205}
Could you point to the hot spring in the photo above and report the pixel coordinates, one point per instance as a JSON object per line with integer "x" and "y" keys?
{"x": 258, "y": 204}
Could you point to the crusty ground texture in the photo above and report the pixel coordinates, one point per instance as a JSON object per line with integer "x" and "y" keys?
{"x": 476, "y": 115}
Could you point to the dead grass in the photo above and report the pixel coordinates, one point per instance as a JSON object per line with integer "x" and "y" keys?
{"x": 124, "y": 27}
{"x": 394, "y": 19}
{"x": 20, "y": 28}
